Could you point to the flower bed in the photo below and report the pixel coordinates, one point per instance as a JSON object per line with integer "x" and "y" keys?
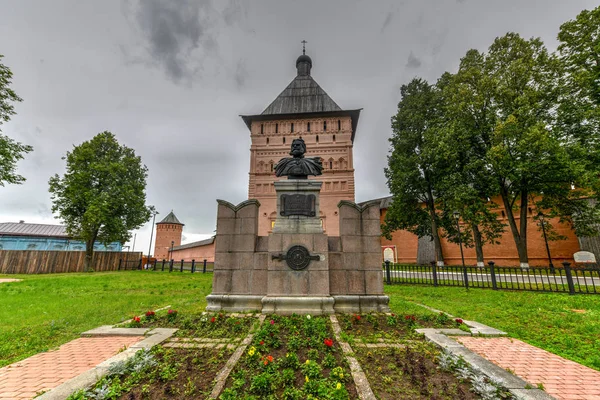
{"x": 160, "y": 374}
{"x": 292, "y": 357}
{"x": 373, "y": 327}
{"x": 410, "y": 372}
{"x": 198, "y": 325}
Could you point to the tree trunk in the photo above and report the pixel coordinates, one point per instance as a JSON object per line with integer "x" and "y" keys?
{"x": 89, "y": 254}
{"x": 437, "y": 244}
{"x": 520, "y": 238}
{"x": 478, "y": 245}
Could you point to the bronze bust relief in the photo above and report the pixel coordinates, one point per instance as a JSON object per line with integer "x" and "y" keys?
{"x": 298, "y": 167}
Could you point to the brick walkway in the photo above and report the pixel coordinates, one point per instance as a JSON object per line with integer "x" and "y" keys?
{"x": 45, "y": 371}
{"x": 561, "y": 378}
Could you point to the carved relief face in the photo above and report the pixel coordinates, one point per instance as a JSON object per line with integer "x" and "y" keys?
{"x": 298, "y": 148}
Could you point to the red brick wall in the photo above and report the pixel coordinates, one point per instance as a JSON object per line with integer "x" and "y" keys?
{"x": 504, "y": 254}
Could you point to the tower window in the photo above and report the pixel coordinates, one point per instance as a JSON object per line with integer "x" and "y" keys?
{"x": 330, "y": 164}
{"x": 339, "y": 125}
{"x": 284, "y": 140}
{"x": 324, "y": 125}
{"x": 308, "y": 126}
{"x": 267, "y": 140}
{"x": 333, "y": 138}
{"x": 317, "y": 138}
{"x": 276, "y": 128}
{"x": 292, "y": 129}
{"x": 271, "y": 166}
{"x": 262, "y": 129}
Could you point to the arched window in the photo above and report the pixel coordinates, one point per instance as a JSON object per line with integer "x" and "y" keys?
{"x": 267, "y": 140}
{"x": 271, "y": 163}
{"x": 333, "y": 138}
{"x": 284, "y": 140}
{"x": 308, "y": 126}
{"x": 262, "y": 129}
{"x": 276, "y": 128}
{"x": 324, "y": 125}
{"x": 292, "y": 128}
{"x": 331, "y": 163}
{"x": 317, "y": 138}
{"x": 339, "y": 125}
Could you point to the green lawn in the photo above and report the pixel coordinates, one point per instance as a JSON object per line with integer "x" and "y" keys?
{"x": 44, "y": 311}
{"x": 565, "y": 325}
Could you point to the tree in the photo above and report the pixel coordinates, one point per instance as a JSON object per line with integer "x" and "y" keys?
{"x": 468, "y": 185}
{"x": 101, "y": 197}
{"x": 413, "y": 165}
{"x": 10, "y": 150}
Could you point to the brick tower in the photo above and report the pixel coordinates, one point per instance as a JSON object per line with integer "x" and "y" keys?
{"x": 304, "y": 110}
{"x": 168, "y": 234}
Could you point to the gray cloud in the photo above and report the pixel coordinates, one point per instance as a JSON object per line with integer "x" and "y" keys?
{"x": 413, "y": 62}
{"x": 388, "y": 19}
{"x": 174, "y": 31}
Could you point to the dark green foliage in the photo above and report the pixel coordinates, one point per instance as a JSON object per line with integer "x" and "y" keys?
{"x": 102, "y": 195}
{"x": 10, "y": 150}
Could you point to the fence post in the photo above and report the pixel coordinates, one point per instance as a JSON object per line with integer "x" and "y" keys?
{"x": 493, "y": 272}
{"x": 204, "y": 267}
{"x": 171, "y": 265}
{"x": 434, "y": 270}
{"x": 140, "y": 265}
{"x": 388, "y": 274}
{"x": 465, "y": 277}
{"x": 181, "y": 268}
{"x": 120, "y": 261}
{"x": 193, "y": 265}
{"x": 155, "y": 262}
{"x": 163, "y": 264}
{"x": 569, "y": 276}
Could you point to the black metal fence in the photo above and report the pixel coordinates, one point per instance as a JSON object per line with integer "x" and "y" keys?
{"x": 192, "y": 266}
{"x": 567, "y": 279}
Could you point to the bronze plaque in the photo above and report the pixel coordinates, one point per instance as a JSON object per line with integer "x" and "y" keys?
{"x": 298, "y": 204}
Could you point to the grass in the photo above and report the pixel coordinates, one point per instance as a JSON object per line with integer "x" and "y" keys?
{"x": 565, "y": 325}
{"x": 44, "y": 311}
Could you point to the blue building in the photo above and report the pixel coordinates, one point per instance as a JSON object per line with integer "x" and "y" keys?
{"x": 22, "y": 236}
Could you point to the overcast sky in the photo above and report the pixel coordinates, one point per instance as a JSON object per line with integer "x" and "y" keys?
{"x": 170, "y": 79}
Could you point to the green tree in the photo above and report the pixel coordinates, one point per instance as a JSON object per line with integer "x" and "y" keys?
{"x": 101, "y": 197}
{"x": 413, "y": 165}
{"x": 468, "y": 185}
{"x": 10, "y": 150}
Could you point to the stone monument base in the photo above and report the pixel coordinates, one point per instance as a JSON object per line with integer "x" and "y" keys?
{"x": 297, "y": 305}
{"x": 361, "y": 303}
{"x": 285, "y": 305}
{"x": 233, "y": 302}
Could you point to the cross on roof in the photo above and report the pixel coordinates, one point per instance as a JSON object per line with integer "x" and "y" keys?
{"x": 304, "y": 46}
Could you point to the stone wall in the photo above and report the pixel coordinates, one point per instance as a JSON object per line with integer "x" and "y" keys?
{"x": 355, "y": 257}
{"x": 240, "y": 257}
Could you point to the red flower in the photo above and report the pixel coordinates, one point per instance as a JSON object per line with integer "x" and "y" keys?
{"x": 328, "y": 342}
{"x": 459, "y": 321}
{"x": 150, "y": 313}
{"x": 262, "y": 342}
{"x": 213, "y": 319}
{"x": 410, "y": 318}
{"x": 267, "y": 359}
{"x": 170, "y": 312}
{"x": 357, "y": 317}
{"x": 136, "y": 319}
{"x": 272, "y": 322}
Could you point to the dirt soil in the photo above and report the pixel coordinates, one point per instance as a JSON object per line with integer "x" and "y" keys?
{"x": 181, "y": 374}
{"x": 407, "y": 373}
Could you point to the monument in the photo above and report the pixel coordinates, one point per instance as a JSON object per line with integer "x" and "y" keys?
{"x": 297, "y": 268}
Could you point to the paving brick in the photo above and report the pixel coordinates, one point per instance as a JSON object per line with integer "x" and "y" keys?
{"x": 576, "y": 382}
{"x": 45, "y": 371}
